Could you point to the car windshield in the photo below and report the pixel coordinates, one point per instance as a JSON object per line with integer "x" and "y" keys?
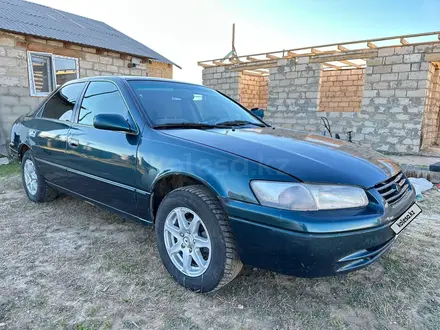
{"x": 171, "y": 103}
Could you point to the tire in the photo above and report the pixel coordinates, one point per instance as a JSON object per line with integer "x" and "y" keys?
{"x": 39, "y": 192}
{"x": 221, "y": 261}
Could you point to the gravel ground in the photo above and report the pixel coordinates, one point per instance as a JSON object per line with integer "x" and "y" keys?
{"x": 70, "y": 265}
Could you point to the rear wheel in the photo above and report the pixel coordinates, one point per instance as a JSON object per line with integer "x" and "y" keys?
{"x": 195, "y": 240}
{"x": 34, "y": 184}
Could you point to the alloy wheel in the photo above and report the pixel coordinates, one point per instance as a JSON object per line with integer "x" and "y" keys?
{"x": 187, "y": 241}
{"x": 30, "y": 176}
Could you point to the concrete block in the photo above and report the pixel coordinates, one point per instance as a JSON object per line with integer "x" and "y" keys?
{"x": 8, "y": 62}
{"x": 402, "y": 117}
{"x": 371, "y": 78}
{"x": 7, "y": 41}
{"x": 10, "y": 81}
{"x": 396, "y": 110}
{"x": 105, "y": 60}
{"x": 118, "y": 62}
{"x": 415, "y": 67}
{"x": 381, "y": 85}
{"x": 282, "y": 62}
{"x": 401, "y": 67}
{"x": 7, "y": 100}
{"x": 386, "y": 51}
{"x": 91, "y": 57}
{"x": 396, "y": 59}
{"x": 403, "y": 75}
{"x": 382, "y": 69}
{"x": 112, "y": 68}
{"x": 417, "y": 93}
{"x": 303, "y": 60}
{"x": 375, "y": 61}
{"x": 370, "y": 93}
{"x": 418, "y": 75}
{"x": 386, "y": 92}
{"x": 412, "y": 58}
{"x": 16, "y": 53}
{"x": 300, "y": 81}
{"x": 400, "y": 92}
{"x": 389, "y": 76}
{"x": 404, "y": 50}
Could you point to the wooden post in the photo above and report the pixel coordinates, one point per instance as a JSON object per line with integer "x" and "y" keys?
{"x": 233, "y": 36}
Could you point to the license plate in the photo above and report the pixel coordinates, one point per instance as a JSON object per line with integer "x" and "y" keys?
{"x": 405, "y": 219}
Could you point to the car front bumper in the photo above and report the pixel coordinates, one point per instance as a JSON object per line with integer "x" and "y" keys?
{"x": 312, "y": 245}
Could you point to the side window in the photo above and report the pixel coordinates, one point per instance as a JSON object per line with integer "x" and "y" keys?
{"x": 101, "y": 97}
{"x": 60, "y": 105}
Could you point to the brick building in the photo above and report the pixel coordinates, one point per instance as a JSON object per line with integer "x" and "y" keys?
{"x": 41, "y": 48}
{"x": 387, "y": 90}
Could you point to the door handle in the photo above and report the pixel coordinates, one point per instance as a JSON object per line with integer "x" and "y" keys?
{"x": 73, "y": 142}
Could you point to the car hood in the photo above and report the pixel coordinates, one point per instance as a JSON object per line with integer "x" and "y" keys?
{"x": 307, "y": 157}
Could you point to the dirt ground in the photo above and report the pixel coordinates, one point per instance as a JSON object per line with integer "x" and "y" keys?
{"x": 71, "y": 265}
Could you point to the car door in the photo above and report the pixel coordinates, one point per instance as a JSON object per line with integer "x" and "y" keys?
{"x": 102, "y": 163}
{"x": 48, "y": 132}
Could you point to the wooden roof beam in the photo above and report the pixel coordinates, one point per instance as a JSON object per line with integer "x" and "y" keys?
{"x": 272, "y": 57}
{"x": 218, "y": 62}
{"x": 253, "y": 73}
{"x": 342, "y": 48}
{"x": 351, "y": 64}
{"x": 337, "y": 67}
{"x": 404, "y": 42}
{"x": 206, "y": 65}
{"x": 262, "y": 70}
{"x": 316, "y": 51}
{"x": 252, "y": 59}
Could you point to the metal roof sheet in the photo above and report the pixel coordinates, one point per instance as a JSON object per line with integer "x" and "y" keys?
{"x": 37, "y": 20}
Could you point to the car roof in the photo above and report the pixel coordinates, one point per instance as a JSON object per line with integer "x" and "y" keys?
{"x": 128, "y": 78}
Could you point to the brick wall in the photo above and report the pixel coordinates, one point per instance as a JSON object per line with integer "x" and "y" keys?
{"x": 158, "y": 69}
{"x": 431, "y": 118}
{"x": 393, "y": 99}
{"x": 253, "y": 91}
{"x": 341, "y": 90}
{"x": 15, "y": 99}
{"x": 224, "y": 81}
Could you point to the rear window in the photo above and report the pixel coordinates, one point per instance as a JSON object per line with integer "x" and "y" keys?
{"x": 60, "y": 105}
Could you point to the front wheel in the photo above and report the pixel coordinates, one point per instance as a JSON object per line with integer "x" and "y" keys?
{"x": 195, "y": 241}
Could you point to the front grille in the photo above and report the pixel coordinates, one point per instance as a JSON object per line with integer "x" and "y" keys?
{"x": 393, "y": 189}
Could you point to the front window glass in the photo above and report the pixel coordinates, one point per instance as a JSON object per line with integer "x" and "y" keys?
{"x": 101, "y": 97}
{"x": 175, "y": 103}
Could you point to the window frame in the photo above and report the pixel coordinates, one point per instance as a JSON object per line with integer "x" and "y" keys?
{"x": 121, "y": 94}
{"x": 52, "y": 57}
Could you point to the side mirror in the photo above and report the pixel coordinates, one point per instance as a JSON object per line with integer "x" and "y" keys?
{"x": 112, "y": 122}
{"x": 258, "y": 112}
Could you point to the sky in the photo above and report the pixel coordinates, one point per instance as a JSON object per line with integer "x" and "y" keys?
{"x": 187, "y": 31}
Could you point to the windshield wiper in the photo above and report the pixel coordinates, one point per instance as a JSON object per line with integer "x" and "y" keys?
{"x": 240, "y": 123}
{"x": 189, "y": 125}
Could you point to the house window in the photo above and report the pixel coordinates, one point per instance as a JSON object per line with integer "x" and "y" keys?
{"x": 48, "y": 71}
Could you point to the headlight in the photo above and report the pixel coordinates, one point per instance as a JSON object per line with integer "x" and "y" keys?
{"x": 308, "y": 197}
